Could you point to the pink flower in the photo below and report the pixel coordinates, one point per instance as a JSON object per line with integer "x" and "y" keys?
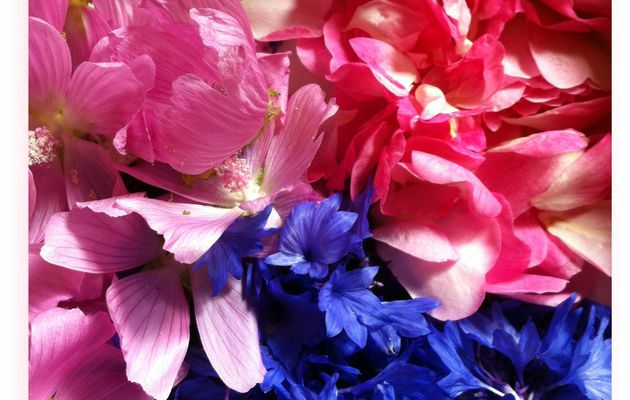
{"x": 455, "y": 235}
{"x": 264, "y": 172}
{"x": 72, "y": 112}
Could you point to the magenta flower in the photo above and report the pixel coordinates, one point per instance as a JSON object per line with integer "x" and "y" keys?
{"x": 72, "y": 111}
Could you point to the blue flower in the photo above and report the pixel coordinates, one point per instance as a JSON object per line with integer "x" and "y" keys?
{"x": 348, "y": 304}
{"x": 314, "y": 236}
{"x": 291, "y": 321}
{"x": 489, "y": 357}
{"x": 361, "y": 227}
{"x": 241, "y": 239}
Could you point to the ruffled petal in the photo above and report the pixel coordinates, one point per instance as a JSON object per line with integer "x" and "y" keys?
{"x": 103, "y": 98}
{"x": 97, "y": 243}
{"x": 285, "y": 164}
{"x": 391, "y": 67}
{"x": 228, "y": 332}
{"x": 437, "y": 170}
{"x": 49, "y": 69}
{"x": 578, "y": 115}
{"x": 281, "y": 20}
{"x": 151, "y": 316}
{"x": 459, "y": 285}
{"x": 189, "y": 229}
{"x": 567, "y": 59}
{"x": 60, "y": 340}
{"x": 525, "y": 167}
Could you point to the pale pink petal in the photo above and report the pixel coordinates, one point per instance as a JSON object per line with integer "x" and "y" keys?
{"x": 579, "y": 115}
{"x": 48, "y": 284}
{"x": 93, "y": 242}
{"x": 391, "y": 67}
{"x": 432, "y": 101}
{"x": 567, "y": 59}
{"x": 189, "y": 229}
{"x": 293, "y": 148}
{"x": 100, "y": 377}
{"x": 397, "y": 23}
{"x": 151, "y": 316}
{"x": 103, "y": 97}
{"x": 437, "y": 170}
{"x": 286, "y": 19}
{"x": 525, "y": 167}
{"x": 418, "y": 240}
{"x": 61, "y": 339}
{"x": 208, "y": 190}
{"x": 51, "y": 197}
{"x": 49, "y": 69}
{"x": 457, "y": 285}
{"x": 89, "y": 172}
{"x": 108, "y": 206}
{"x": 51, "y": 11}
{"x": 459, "y": 11}
{"x": 528, "y": 283}
{"x": 586, "y": 181}
{"x": 229, "y": 332}
{"x": 586, "y": 230}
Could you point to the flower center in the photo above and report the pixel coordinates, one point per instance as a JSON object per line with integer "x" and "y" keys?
{"x": 235, "y": 174}
{"x": 42, "y": 146}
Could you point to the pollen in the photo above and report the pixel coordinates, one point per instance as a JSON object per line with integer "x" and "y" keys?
{"x": 235, "y": 174}
{"x": 42, "y": 146}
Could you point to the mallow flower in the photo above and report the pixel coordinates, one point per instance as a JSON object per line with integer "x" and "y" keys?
{"x": 77, "y": 113}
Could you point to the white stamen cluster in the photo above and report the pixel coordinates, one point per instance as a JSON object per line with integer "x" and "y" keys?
{"x": 235, "y": 174}
{"x": 42, "y": 146}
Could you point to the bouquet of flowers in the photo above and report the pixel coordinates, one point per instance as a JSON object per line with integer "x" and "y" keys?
{"x": 320, "y": 200}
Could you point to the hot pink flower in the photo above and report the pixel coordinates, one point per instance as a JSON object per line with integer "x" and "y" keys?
{"x": 71, "y": 112}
